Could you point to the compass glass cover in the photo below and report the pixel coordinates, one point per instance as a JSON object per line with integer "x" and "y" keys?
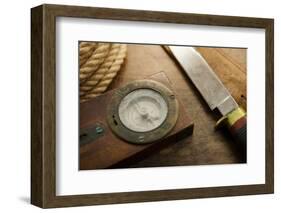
{"x": 143, "y": 110}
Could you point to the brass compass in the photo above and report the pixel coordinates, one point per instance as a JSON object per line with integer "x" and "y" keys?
{"x": 142, "y": 112}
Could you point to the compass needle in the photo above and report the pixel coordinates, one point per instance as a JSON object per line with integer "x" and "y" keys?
{"x": 144, "y": 106}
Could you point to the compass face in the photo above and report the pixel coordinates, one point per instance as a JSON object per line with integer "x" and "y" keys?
{"x": 142, "y": 111}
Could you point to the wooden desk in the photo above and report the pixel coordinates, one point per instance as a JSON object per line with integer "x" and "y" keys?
{"x": 207, "y": 146}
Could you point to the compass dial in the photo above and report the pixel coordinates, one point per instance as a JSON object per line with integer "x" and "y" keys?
{"x": 143, "y": 110}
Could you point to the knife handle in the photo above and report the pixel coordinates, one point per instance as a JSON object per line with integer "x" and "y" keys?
{"x": 236, "y": 122}
{"x": 239, "y": 132}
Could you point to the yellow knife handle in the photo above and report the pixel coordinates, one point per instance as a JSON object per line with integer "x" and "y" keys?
{"x": 236, "y": 122}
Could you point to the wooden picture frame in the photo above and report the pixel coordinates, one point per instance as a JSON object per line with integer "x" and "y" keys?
{"x": 43, "y": 105}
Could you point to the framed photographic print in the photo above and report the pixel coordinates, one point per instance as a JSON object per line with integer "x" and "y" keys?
{"x": 135, "y": 106}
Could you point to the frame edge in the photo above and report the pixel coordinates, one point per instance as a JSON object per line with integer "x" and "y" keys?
{"x": 269, "y": 120}
{"x": 37, "y": 189}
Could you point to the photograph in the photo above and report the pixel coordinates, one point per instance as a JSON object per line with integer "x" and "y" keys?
{"x": 135, "y": 106}
{"x": 155, "y": 105}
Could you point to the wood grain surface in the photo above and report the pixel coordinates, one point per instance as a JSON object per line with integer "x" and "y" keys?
{"x": 208, "y": 146}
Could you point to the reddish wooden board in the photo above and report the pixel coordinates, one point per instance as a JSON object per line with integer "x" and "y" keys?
{"x": 109, "y": 151}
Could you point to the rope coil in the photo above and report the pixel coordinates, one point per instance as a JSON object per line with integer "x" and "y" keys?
{"x": 99, "y": 64}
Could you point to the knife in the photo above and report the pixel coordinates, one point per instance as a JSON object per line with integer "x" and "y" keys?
{"x": 213, "y": 91}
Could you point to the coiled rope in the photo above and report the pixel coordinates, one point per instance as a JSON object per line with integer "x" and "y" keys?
{"x": 99, "y": 64}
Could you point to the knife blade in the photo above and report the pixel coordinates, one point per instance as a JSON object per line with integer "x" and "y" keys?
{"x": 213, "y": 91}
